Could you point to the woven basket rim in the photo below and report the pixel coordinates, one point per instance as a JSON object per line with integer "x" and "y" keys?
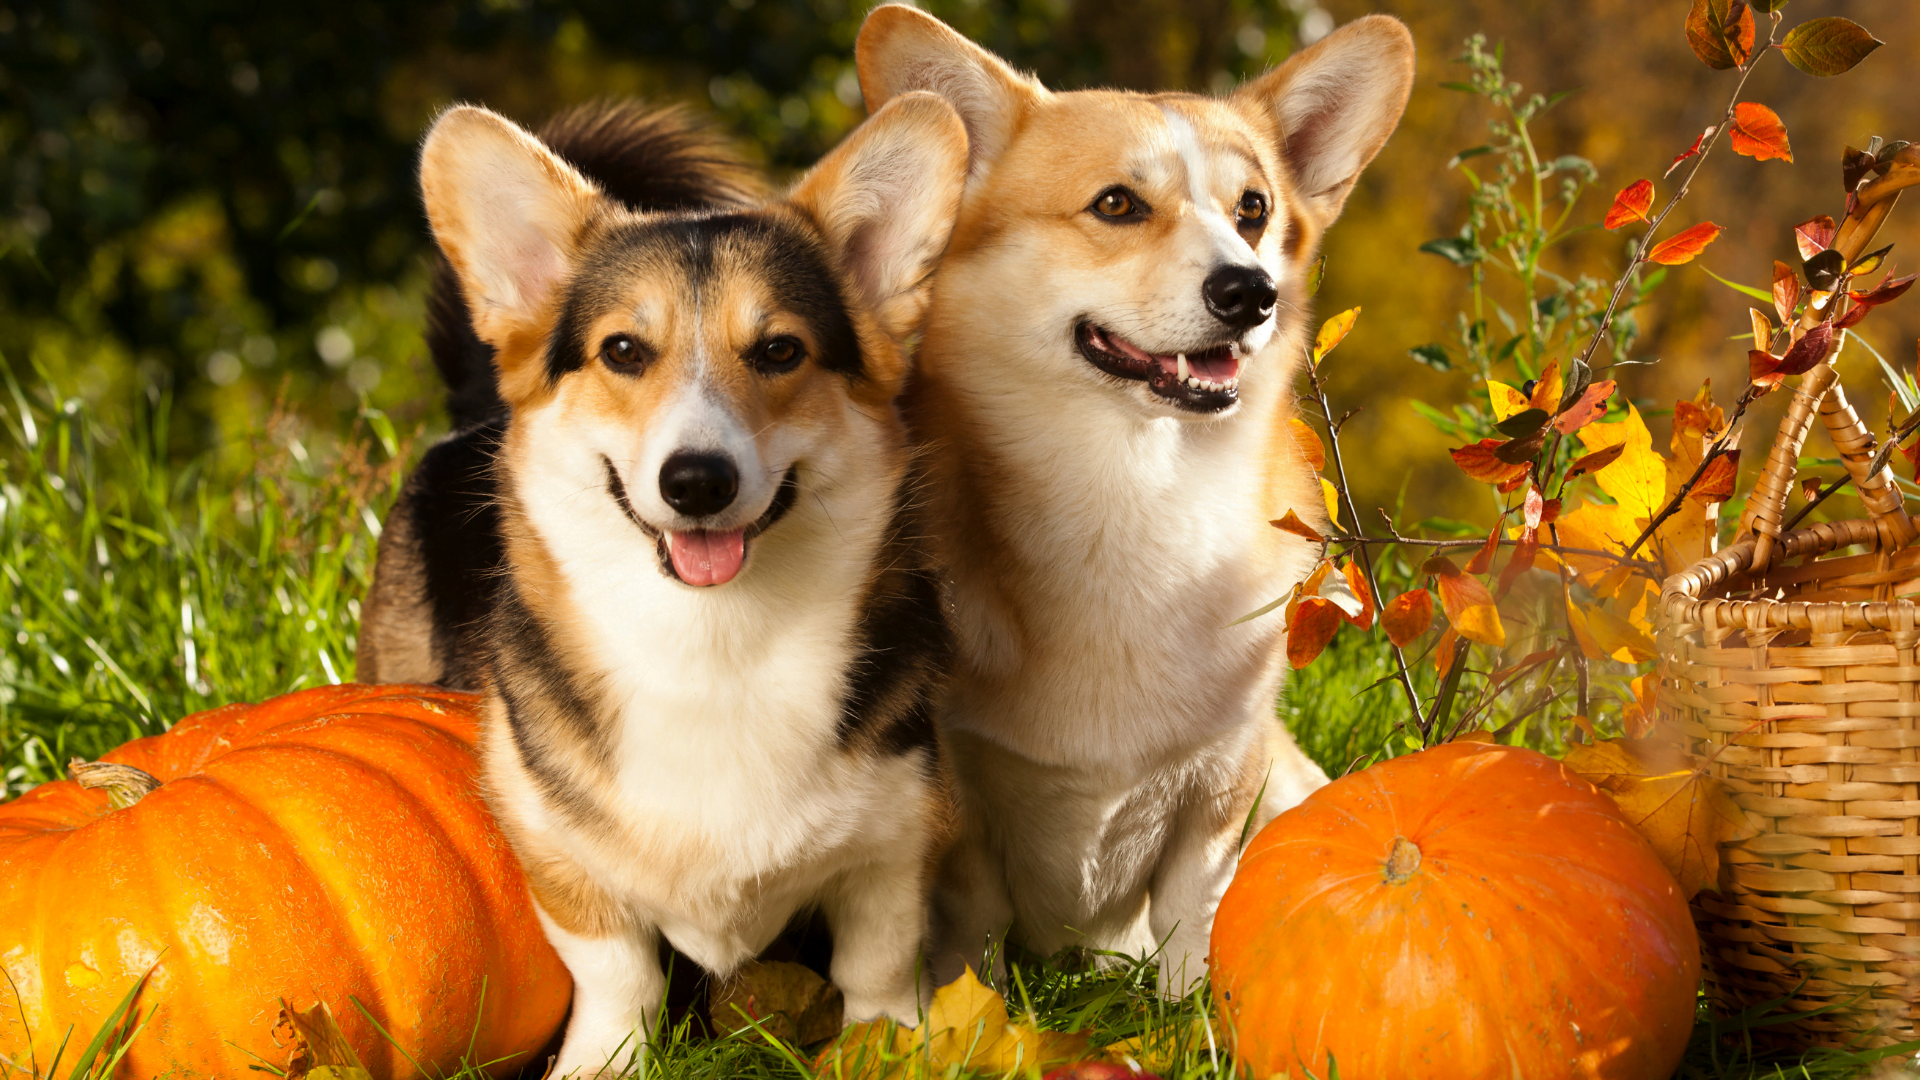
{"x": 1682, "y": 603}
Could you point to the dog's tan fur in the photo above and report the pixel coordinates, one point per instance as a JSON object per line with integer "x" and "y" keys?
{"x": 1110, "y": 731}
{"x": 695, "y": 760}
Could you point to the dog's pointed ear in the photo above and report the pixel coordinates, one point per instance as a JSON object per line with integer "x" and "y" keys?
{"x": 902, "y": 49}
{"x": 886, "y": 198}
{"x": 508, "y": 213}
{"x": 1334, "y": 104}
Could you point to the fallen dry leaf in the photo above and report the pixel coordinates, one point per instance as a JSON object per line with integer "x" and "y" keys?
{"x": 966, "y": 1029}
{"x": 788, "y": 1002}
{"x": 319, "y": 1050}
{"x": 1666, "y": 793}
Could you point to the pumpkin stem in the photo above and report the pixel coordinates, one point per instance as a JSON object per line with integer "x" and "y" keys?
{"x": 1403, "y": 858}
{"x": 125, "y": 784}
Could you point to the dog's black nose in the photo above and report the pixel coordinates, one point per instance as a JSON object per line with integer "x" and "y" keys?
{"x": 699, "y": 484}
{"x": 1240, "y": 296}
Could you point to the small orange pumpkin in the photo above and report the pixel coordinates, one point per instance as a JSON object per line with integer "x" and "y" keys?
{"x": 323, "y": 844}
{"x": 1468, "y": 911}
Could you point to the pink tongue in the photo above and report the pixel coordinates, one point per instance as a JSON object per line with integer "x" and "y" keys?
{"x": 707, "y": 558}
{"x": 1218, "y": 367}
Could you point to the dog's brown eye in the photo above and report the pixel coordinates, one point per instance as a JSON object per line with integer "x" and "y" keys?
{"x": 1253, "y": 208}
{"x": 1116, "y": 202}
{"x": 621, "y": 352}
{"x": 779, "y": 354}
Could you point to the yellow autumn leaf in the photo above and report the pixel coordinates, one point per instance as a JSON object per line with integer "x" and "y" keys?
{"x": 1637, "y": 479}
{"x": 1332, "y": 332}
{"x": 1332, "y": 495}
{"x": 1596, "y": 527}
{"x": 1548, "y": 388}
{"x": 1684, "y": 813}
{"x": 1588, "y": 647}
{"x": 1617, "y": 637}
{"x": 1505, "y": 400}
{"x": 966, "y": 1029}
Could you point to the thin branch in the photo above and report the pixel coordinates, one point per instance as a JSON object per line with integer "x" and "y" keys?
{"x": 1718, "y": 449}
{"x": 1582, "y": 676}
{"x": 1353, "y": 514}
{"x": 1641, "y": 564}
{"x": 1646, "y": 241}
{"x": 1879, "y": 461}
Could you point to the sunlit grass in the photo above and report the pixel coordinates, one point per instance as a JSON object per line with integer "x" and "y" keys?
{"x": 135, "y": 590}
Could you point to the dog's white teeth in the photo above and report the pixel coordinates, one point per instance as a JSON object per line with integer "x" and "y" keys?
{"x": 1181, "y": 374}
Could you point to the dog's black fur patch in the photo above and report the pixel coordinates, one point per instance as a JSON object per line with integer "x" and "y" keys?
{"x": 647, "y": 158}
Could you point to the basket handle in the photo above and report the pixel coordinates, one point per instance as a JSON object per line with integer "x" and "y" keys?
{"x": 1819, "y": 391}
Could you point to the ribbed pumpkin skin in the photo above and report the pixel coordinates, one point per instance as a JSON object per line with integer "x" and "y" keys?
{"x": 1538, "y": 937}
{"x": 323, "y": 844}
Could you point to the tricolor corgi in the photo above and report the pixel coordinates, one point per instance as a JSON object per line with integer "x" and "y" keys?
{"x": 1102, "y": 394}
{"x": 713, "y": 640}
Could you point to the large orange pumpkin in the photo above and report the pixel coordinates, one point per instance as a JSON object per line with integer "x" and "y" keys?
{"x": 1468, "y": 911}
{"x": 322, "y": 845}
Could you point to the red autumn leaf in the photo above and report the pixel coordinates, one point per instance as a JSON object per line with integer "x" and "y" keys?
{"x": 1511, "y": 486}
{"x": 1682, "y": 247}
{"x": 1292, "y": 524}
{"x": 1912, "y": 454}
{"x": 1808, "y": 351}
{"x": 1407, "y": 616}
{"x": 1786, "y": 291}
{"x": 1631, "y": 204}
{"x": 1716, "y": 483}
{"x": 1810, "y": 488}
{"x": 1814, "y": 236}
{"x": 1482, "y": 560}
{"x": 1551, "y": 513}
{"x": 1535, "y": 507}
{"x": 1357, "y": 581}
{"x": 1721, "y": 32}
{"x": 1691, "y": 150}
{"x": 1591, "y": 406}
{"x": 1763, "y": 370}
{"x": 1522, "y": 560}
{"x": 1478, "y": 462}
{"x": 1314, "y": 623}
{"x": 1887, "y": 291}
{"x": 1468, "y": 604}
{"x": 1759, "y": 133}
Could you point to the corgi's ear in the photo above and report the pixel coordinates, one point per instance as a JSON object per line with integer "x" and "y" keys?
{"x": 902, "y": 49}
{"x": 1334, "y": 104}
{"x": 508, "y": 213}
{"x": 886, "y": 198}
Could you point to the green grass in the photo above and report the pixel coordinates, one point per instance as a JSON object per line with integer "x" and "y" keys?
{"x": 135, "y": 590}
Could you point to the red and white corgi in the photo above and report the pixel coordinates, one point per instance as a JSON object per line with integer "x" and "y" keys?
{"x": 713, "y": 638}
{"x": 1102, "y": 395}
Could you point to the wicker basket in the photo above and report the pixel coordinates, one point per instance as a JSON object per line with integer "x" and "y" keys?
{"x": 1796, "y": 669}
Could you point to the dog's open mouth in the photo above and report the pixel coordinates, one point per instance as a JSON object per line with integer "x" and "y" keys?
{"x": 1204, "y": 381}
{"x": 707, "y": 556}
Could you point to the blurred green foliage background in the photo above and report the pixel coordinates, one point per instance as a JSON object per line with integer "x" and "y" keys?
{"x": 218, "y": 198}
